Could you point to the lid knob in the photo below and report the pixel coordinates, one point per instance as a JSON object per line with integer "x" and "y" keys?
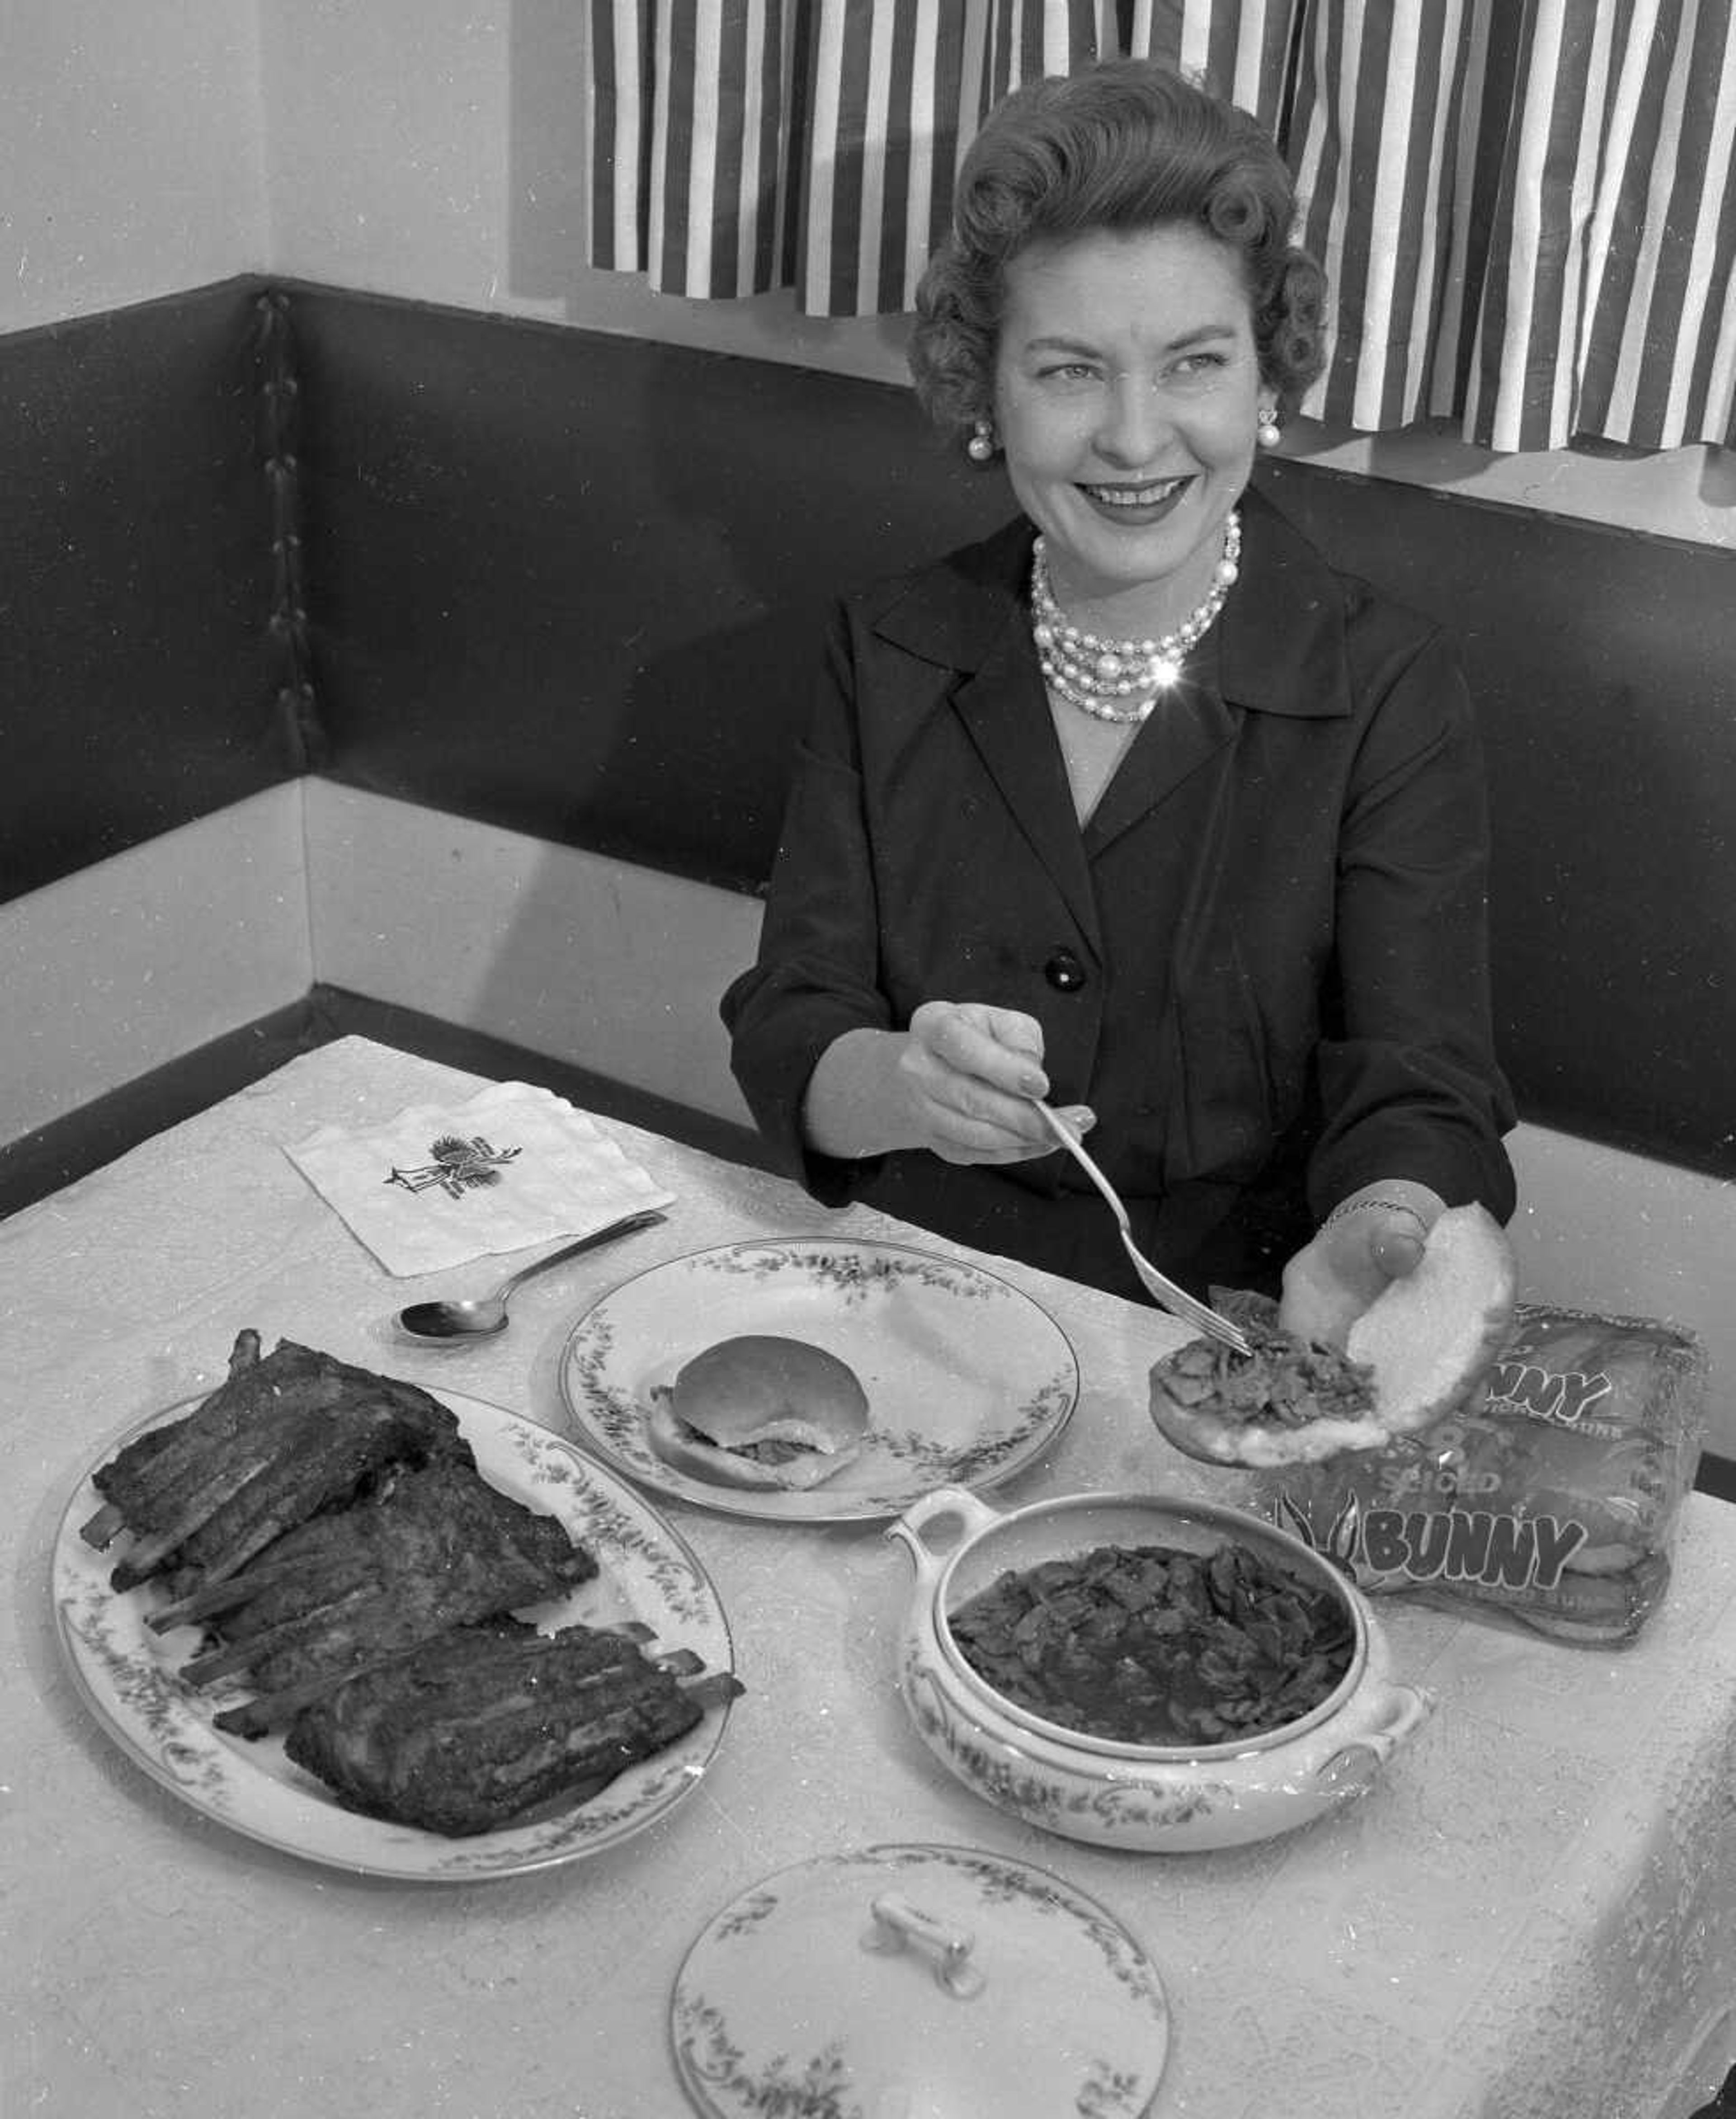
{"x": 899, "y": 1925}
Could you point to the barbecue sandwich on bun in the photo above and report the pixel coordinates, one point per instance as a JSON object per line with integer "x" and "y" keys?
{"x": 1416, "y": 1355}
{"x": 760, "y": 1411}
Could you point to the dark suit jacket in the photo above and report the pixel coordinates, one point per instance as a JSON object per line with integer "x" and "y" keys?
{"x": 1262, "y": 962}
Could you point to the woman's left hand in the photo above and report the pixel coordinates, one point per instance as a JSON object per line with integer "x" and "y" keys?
{"x": 1371, "y": 1238}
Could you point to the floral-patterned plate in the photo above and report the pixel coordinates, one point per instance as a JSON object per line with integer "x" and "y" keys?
{"x": 647, "y": 1573}
{"x": 918, "y": 1979}
{"x": 967, "y": 1379}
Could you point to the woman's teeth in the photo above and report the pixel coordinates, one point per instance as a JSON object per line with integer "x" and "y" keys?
{"x": 1137, "y": 496}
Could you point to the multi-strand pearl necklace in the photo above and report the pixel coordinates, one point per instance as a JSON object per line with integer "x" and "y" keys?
{"x": 1119, "y": 680}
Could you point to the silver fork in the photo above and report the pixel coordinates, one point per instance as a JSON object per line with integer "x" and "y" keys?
{"x": 1162, "y": 1289}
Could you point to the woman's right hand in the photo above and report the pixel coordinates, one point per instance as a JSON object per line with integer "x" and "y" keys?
{"x": 966, "y": 1076}
{"x": 958, "y": 1082}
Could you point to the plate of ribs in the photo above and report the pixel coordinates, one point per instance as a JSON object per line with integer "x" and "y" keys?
{"x": 406, "y": 1636}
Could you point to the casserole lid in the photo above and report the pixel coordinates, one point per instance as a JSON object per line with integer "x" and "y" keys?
{"x": 918, "y": 1982}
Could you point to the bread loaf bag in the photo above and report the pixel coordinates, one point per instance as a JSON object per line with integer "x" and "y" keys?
{"x": 1553, "y": 1494}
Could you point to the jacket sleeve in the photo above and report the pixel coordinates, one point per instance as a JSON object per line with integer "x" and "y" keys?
{"x": 814, "y": 976}
{"x": 1408, "y": 1081}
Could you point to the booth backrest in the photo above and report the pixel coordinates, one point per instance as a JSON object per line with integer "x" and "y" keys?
{"x": 569, "y": 584}
{"x": 136, "y": 653}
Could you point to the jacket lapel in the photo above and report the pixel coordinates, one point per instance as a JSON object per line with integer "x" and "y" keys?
{"x": 1003, "y": 705}
{"x": 1183, "y": 735}
{"x": 1278, "y": 650}
{"x": 971, "y": 620}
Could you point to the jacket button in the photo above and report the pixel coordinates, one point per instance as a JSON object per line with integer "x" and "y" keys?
{"x": 1064, "y": 971}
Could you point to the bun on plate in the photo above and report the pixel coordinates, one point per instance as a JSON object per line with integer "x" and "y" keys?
{"x": 760, "y": 1411}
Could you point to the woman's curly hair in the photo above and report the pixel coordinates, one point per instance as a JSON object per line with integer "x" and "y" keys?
{"x": 1121, "y": 146}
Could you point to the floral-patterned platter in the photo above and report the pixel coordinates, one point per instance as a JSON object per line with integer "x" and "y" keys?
{"x": 917, "y": 1979}
{"x": 967, "y": 1379}
{"x": 646, "y": 1574}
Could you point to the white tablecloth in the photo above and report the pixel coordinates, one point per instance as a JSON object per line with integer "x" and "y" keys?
{"x": 1532, "y": 1917}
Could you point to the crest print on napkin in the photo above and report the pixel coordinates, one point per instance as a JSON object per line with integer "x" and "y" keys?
{"x": 456, "y": 1163}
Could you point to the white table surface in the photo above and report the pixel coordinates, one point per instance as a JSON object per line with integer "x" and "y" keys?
{"x": 1533, "y": 1914}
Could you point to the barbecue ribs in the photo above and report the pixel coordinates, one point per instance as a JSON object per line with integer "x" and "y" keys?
{"x": 287, "y": 1434}
{"x": 472, "y": 1732}
{"x": 330, "y": 1529}
{"x": 442, "y": 1548}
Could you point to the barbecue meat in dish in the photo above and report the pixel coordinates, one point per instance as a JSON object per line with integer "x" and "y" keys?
{"x": 442, "y": 1548}
{"x": 287, "y": 1434}
{"x": 471, "y": 1732}
{"x": 1288, "y": 1400}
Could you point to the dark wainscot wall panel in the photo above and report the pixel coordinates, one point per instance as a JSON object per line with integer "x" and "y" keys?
{"x": 1603, "y": 666}
{"x": 136, "y": 580}
{"x": 570, "y": 583}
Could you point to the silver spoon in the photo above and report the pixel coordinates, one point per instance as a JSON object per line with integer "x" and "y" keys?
{"x": 484, "y": 1314}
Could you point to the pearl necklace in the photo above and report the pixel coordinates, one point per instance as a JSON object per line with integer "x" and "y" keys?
{"x": 1119, "y": 680}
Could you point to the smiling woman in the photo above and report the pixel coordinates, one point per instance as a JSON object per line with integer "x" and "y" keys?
{"x": 1137, "y": 807}
{"x": 1127, "y": 392}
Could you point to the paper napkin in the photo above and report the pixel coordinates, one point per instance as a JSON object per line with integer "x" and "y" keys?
{"x": 441, "y": 1184}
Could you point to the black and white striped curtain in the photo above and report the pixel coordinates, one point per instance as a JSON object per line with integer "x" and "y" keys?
{"x": 1526, "y": 208}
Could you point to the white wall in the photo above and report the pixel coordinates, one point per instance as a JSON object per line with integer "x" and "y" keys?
{"x": 132, "y": 152}
{"x": 139, "y": 960}
{"x": 387, "y": 145}
{"x": 600, "y": 962}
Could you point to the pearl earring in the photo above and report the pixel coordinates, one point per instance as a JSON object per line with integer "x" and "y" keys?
{"x": 1268, "y": 433}
{"x": 981, "y": 446}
